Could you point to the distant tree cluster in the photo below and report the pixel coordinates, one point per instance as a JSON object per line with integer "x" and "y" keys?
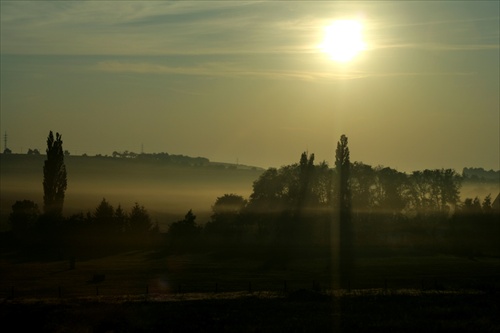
{"x": 477, "y": 207}
{"x": 108, "y": 228}
{"x": 112, "y": 221}
{"x": 103, "y": 229}
{"x": 475, "y": 227}
{"x": 170, "y": 158}
{"x": 479, "y": 174}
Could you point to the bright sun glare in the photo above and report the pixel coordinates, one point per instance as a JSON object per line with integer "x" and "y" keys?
{"x": 343, "y": 40}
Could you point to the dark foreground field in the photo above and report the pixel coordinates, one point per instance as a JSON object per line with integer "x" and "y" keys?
{"x": 299, "y": 311}
{"x": 144, "y": 291}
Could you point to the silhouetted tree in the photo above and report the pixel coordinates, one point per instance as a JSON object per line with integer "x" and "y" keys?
{"x": 323, "y": 184}
{"x": 104, "y": 218}
{"x": 343, "y": 198}
{"x": 363, "y": 182}
{"x": 288, "y": 202}
{"x": 486, "y": 205}
{"x": 226, "y": 218}
{"x": 33, "y": 152}
{"x": 229, "y": 205}
{"x": 269, "y": 200}
{"x": 121, "y": 219}
{"x": 303, "y": 200}
{"x": 139, "y": 220}
{"x": 78, "y": 222}
{"x": 343, "y": 168}
{"x": 434, "y": 190}
{"x": 472, "y": 206}
{"x": 269, "y": 191}
{"x": 182, "y": 234}
{"x": 185, "y": 227}
{"x": 54, "y": 177}
{"x": 306, "y": 189}
{"x": 392, "y": 191}
{"x": 23, "y": 217}
{"x": 475, "y": 228}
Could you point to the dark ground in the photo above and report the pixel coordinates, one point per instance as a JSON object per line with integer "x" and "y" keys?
{"x": 147, "y": 292}
{"x": 300, "y": 311}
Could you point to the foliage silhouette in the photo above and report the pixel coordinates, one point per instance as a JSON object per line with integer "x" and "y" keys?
{"x": 139, "y": 220}
{"x": 24, "y": 217}
{"x": 226, "y": 221}
{"x": 33, "y": 152}
{"x": 185, "y": 233}
{"x": 54, "y": 177}
{"x": 343, "y": 205}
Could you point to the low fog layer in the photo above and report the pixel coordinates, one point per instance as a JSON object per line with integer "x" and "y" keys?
{"x": 166, "y": 191}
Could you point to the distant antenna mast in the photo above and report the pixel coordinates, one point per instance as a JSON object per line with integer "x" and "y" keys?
{"x": 5, "y": 141}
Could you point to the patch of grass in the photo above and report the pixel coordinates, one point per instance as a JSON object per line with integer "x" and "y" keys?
{"x": 140, "y": 272}
{"x": 435, "y": 312}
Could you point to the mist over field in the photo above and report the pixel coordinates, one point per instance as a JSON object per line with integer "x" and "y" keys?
{"x": 166, "y": 190}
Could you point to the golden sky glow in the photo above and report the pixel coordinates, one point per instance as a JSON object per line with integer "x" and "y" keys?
{"x": 247, "y": 81}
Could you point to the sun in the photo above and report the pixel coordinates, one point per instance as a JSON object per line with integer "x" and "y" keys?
{"x": 343, "y": 40}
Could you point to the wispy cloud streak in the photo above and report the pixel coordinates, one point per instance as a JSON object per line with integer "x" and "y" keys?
{"x": 232, "y": 70}
{"x": 151, "y": 28}
{"x": 438, "y": 47}
{"x": 218, "y": 70}
{"x": 225, "y": 27}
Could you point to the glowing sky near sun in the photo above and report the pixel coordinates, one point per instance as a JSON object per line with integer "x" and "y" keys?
{"x": 247, "y": 81}
{"x": 343, "y": 40}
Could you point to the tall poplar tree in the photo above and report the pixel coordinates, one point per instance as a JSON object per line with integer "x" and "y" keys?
{"x": 343, "y": 169}
{"x": 54, "y": 177}
{"x": 343, "y": 206}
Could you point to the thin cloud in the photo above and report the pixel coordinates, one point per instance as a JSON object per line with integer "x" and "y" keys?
{"x": 437, "y": 47}
{"x": 439, "y": 22}
{"x": 232, "y": 70}
{"x": 209, "y": 69}
{"x": 393, "y": 74}
{"x": 131, "y": 28}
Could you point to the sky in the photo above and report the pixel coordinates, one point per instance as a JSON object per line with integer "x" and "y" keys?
{"x": 248, "y": 82}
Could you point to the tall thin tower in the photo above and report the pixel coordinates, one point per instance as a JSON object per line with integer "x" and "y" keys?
{"x": 5, "y": 141}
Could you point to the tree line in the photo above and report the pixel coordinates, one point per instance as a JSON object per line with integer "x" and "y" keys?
{"x": 296, "y": 206}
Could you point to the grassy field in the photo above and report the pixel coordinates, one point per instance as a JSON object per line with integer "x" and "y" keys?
{"x": 347, "y": 313}
{"x": 135, "y": 272}
{"x": 233, "y": 290}
{"x": 147, "y": 291}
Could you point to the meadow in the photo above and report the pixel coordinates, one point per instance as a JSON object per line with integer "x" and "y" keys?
{"x": 140, "y": 272}
{"x": 149, "y": 291}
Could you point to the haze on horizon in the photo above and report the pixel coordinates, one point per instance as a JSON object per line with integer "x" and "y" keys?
{"x": 247, "y": 81}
